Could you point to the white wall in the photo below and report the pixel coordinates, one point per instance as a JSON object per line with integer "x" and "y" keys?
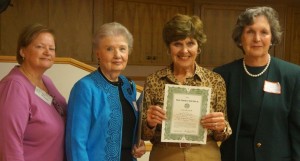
{"x": 64, "y": 76}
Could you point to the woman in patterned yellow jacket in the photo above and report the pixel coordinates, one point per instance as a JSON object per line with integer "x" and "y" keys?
{"x": 184, "y": 36}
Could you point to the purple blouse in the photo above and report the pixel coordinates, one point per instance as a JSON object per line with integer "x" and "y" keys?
{"x": 30, "y": 128}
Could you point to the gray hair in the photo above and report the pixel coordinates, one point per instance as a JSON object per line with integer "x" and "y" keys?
{"x": 247, "y": 17}
{"x": 112, "y": 29}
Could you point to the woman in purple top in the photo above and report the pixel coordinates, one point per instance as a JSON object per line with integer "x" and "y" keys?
{"x": 32, "y": 111}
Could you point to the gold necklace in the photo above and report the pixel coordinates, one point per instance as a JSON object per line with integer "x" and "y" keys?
{"x": 259, "y": 74}
{"x": 38, "y": 83}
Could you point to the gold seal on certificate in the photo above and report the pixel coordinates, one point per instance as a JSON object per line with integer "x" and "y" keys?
{"x": 184, "y": 106}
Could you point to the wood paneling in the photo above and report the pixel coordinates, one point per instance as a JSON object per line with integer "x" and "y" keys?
{"x": 219, "y": 21}
{"x": 279, "y": 49}
{"x": 137, "y": 18}
{"x": 75, "y": 21}
{"x": 72, "y": 21}
{"x": 294, "y": 33}
{"x": 162, "y": 14}
{"x": 218, "y": 24}
{"x": 15, "y": 18}
{"x": 145, "y": 21}
{"x": 73, "y": 24}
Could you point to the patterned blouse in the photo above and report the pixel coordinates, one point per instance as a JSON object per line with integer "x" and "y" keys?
{"x": 154, "y": 95}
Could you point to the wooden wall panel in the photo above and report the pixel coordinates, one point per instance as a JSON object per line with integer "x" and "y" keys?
{"x": 218, "y": 24}
{"x": 162, "y": 14}
{"x": 21, "y": 14}
{"x": 138, "y": 19}
{"x": 145, "y": 21}
{"x": 75, "y": 21}
{"x": 73, "y": 24}
{"x": 279, "y": 49}
{"x": 294, "y": 44}
{"x": 219, "y": 21}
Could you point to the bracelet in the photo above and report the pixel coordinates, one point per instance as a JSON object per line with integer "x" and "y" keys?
{"x": 223, "y": 131}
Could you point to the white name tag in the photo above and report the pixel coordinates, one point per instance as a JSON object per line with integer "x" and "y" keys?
{"x": 272, "y": 87}
{"x": 43, "y": 95}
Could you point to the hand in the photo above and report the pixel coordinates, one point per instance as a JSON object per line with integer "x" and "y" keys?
{"x": 155, "y": 115}
{"x": 139, "y": 151}
{"x": 214, "y": 121}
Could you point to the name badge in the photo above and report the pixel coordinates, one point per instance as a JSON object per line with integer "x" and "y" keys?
{"x": 43, "y": 95}
{"x": 272, "y": 87}
{"x": 135, "y": 105}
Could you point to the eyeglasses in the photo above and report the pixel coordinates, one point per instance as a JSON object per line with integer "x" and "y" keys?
{"x": 58, "y": 107}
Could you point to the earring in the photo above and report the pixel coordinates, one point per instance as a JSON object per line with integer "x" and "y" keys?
{"x": 199, "y": 51}
{"x": 98, "y": 61}
{"x": 240, "y": 44}
{"x": 22, "y": 55}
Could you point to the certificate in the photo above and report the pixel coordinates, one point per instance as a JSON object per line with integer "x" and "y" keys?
{"x": 184, "y": 106}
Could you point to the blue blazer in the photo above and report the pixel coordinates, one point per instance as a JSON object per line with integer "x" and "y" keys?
{"x": 277, "y": 136}
{"x": 94, "y": 119}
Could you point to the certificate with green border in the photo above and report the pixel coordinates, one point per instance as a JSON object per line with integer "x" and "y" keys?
{"x": 184, "y": 106}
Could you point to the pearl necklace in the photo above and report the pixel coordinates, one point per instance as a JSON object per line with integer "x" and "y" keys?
{"x": 259, "y": 74}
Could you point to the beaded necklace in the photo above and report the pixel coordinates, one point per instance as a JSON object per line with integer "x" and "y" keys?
{"x": 259, "y": 74}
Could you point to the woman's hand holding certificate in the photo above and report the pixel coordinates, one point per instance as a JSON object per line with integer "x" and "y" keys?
{"x": 155, "y": 115}
{"x": 214, "y": 121}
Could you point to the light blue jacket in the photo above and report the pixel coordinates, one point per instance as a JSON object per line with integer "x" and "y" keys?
{"x": 94, "y": 119}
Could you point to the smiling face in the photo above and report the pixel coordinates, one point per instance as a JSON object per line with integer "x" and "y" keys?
{"x": 184, "y": 53}
{"x": 112, "y": 53}
{"x": 256, "y": 38}
{"x": 40, "y": 53}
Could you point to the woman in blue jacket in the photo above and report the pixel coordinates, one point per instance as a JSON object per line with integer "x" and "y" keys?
{"x": 102, "y": 117}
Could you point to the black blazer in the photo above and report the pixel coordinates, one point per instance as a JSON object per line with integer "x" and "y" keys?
{"x": 277, "y": 136}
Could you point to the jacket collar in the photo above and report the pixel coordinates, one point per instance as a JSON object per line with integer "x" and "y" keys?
{"x": 168, "y": 73}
